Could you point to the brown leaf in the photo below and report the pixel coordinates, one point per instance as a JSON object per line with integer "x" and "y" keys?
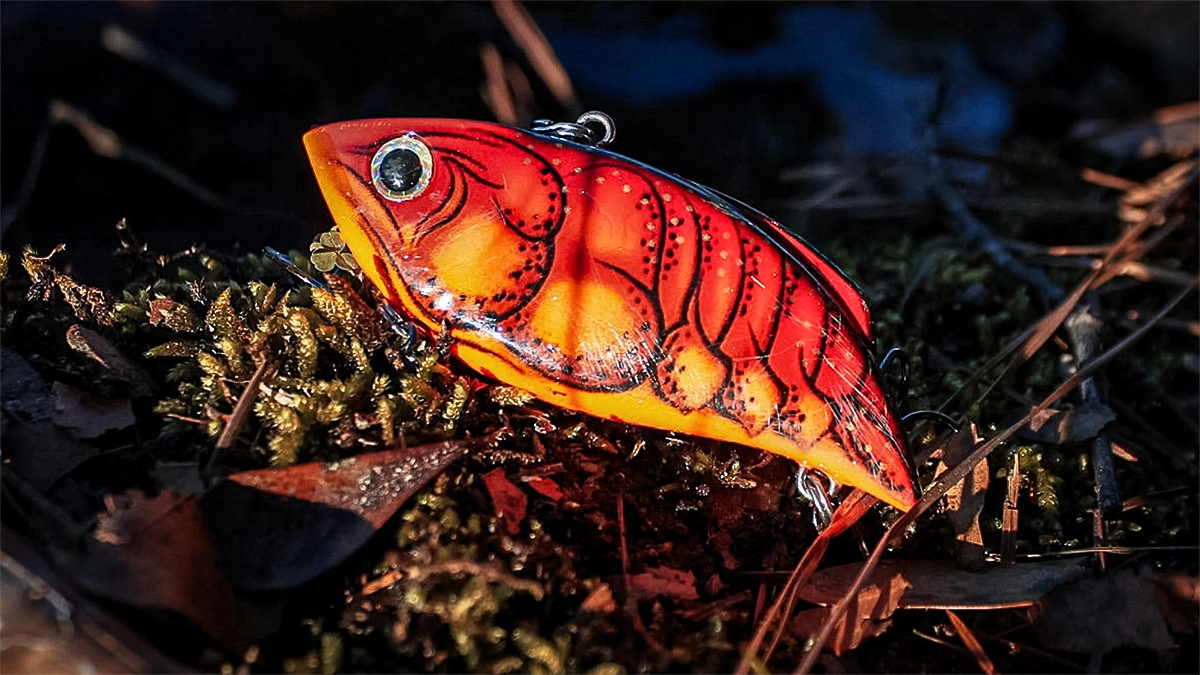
{"x": 544, "y": 486}
{"x": 89, "y": 304}
{"x": 939, "y": 584}
{"x": 113, "y": 365}
{"x": 1171, "y": 129}
{"x": 599, "y": 601}
{"x": 965, "y": 500}
{"x": 1064, "y": 426}
{"x": 175, "y": 316}
{"x": 849, "y": 633}
{"x": 1095, "y": 615}
{"x": 279, "y": 528}
{"x": 50, "y": 626}
{"x": 869, "y": 613}
{"x": 35, "y": 448}
{"x": 155, "y": 553}
{"x": 663, "y": 581}
{"x": 87, "y": 416}
{"x": 1178, "y": 597}
{"x": 508, "y": 499}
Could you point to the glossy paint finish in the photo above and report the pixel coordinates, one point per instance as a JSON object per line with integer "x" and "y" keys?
{"x": 606, "y": 286}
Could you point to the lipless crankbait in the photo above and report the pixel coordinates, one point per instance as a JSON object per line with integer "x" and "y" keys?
{"x": 603, "y": 285}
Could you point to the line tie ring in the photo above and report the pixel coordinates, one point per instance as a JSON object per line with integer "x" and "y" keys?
{"x": 592, "y": 128}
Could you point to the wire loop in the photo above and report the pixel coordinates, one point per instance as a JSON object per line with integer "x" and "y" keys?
{"x": 592, "y": 128}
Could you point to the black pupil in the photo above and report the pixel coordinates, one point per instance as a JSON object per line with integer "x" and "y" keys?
{"x": 400, "y": 170}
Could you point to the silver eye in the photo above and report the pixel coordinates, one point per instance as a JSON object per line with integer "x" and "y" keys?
{"x": 401, "y": 168}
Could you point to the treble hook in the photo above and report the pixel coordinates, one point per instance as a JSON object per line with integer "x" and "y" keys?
{"x": 816, "y": 494}
{"x": 396, "y": 322}
{"x": 935, "y": 414}
{"x": 582, "y": 130}
{"x": 899, "y": 386}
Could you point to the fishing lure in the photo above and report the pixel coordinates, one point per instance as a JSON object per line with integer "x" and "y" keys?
{"x": 600, "y": 284}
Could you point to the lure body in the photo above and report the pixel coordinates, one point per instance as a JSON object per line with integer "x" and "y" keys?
{"x": 603, "y": 285}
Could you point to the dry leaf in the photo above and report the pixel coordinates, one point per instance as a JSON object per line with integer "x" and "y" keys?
{"x": 87, "y": 416}
{"x": 940, "y": 584}
{"x": 508, "y": 499}
{"x": 849, "y": 633}
{"x": 1179, "y": 600}
{"x": 114, "y": 366}
{"x": 662, "y": 581}
{"x": 868, "y": 614}
{"x": 278, "y": 528}
{"x": 599, "y": 601}
{"x": 544, "y": 486}
{"x": 155, "y": 553}
{"x": 35, "y": 448}
{"x": 1065, "y": 426}
{"x": 965, "y": 500}
{"x": 49, "y": 626}
{"x": 1095, "y": 615}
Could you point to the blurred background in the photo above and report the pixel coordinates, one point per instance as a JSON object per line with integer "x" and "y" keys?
{"x": 185, "y": 118}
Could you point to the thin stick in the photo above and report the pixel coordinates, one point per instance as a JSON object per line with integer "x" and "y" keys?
{"x": 495, "y": 88}
{"x": 36, "y": 159}
{"x": 1014, "y": 648}
{"x": 537, "y": 49}
{"x": 241, "y": 411}
{"x": 1082, "y": 330}
{"x": 1111, "y": 550}
{"x": 1132, "y": 269}
{"x": 974, "y": 232}
{"x": 972, "y": 643}
{"x": 106, "y": 143}
{"x": 1052, "y": 321}
{"x": 848, "y": 512}
{"x": 126, "y": 45}
{"x": 1008, "y": 532}
{"x": 1107, "y": 180}
{"x": 1032, "y": 339}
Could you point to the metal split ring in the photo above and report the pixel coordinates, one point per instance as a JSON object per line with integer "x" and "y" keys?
{"x": 582, "y": 130}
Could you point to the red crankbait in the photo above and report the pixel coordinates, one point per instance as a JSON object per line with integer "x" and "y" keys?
{"x": 603, "y": 285}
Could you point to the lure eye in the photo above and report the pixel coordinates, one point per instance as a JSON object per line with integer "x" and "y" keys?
{"x": 401, "y": 168}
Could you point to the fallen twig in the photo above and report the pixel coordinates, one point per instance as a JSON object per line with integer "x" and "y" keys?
{"x": 537, "y": 49}
{"x": 1082, "y": 326}
{"x": 975, "y": 233}
{"x": 241, "y": 411}
{"x": 106, "y": 143}
{"x": 1032, "y": 339}
{"x": 1011, "y": 517}
{"x": 847, "y": 513}
{"x": 495, "y": 87}
{"x": 127, "y": 45}
{"x": 972, "y": 643}
{"x": 36, "y": 158}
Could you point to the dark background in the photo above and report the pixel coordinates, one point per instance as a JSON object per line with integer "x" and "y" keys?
{"x": 728, "y": 94}
{"x": 733, "y": 95}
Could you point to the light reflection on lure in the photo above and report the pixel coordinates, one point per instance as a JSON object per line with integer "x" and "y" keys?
{"x": 603, "y": 285}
